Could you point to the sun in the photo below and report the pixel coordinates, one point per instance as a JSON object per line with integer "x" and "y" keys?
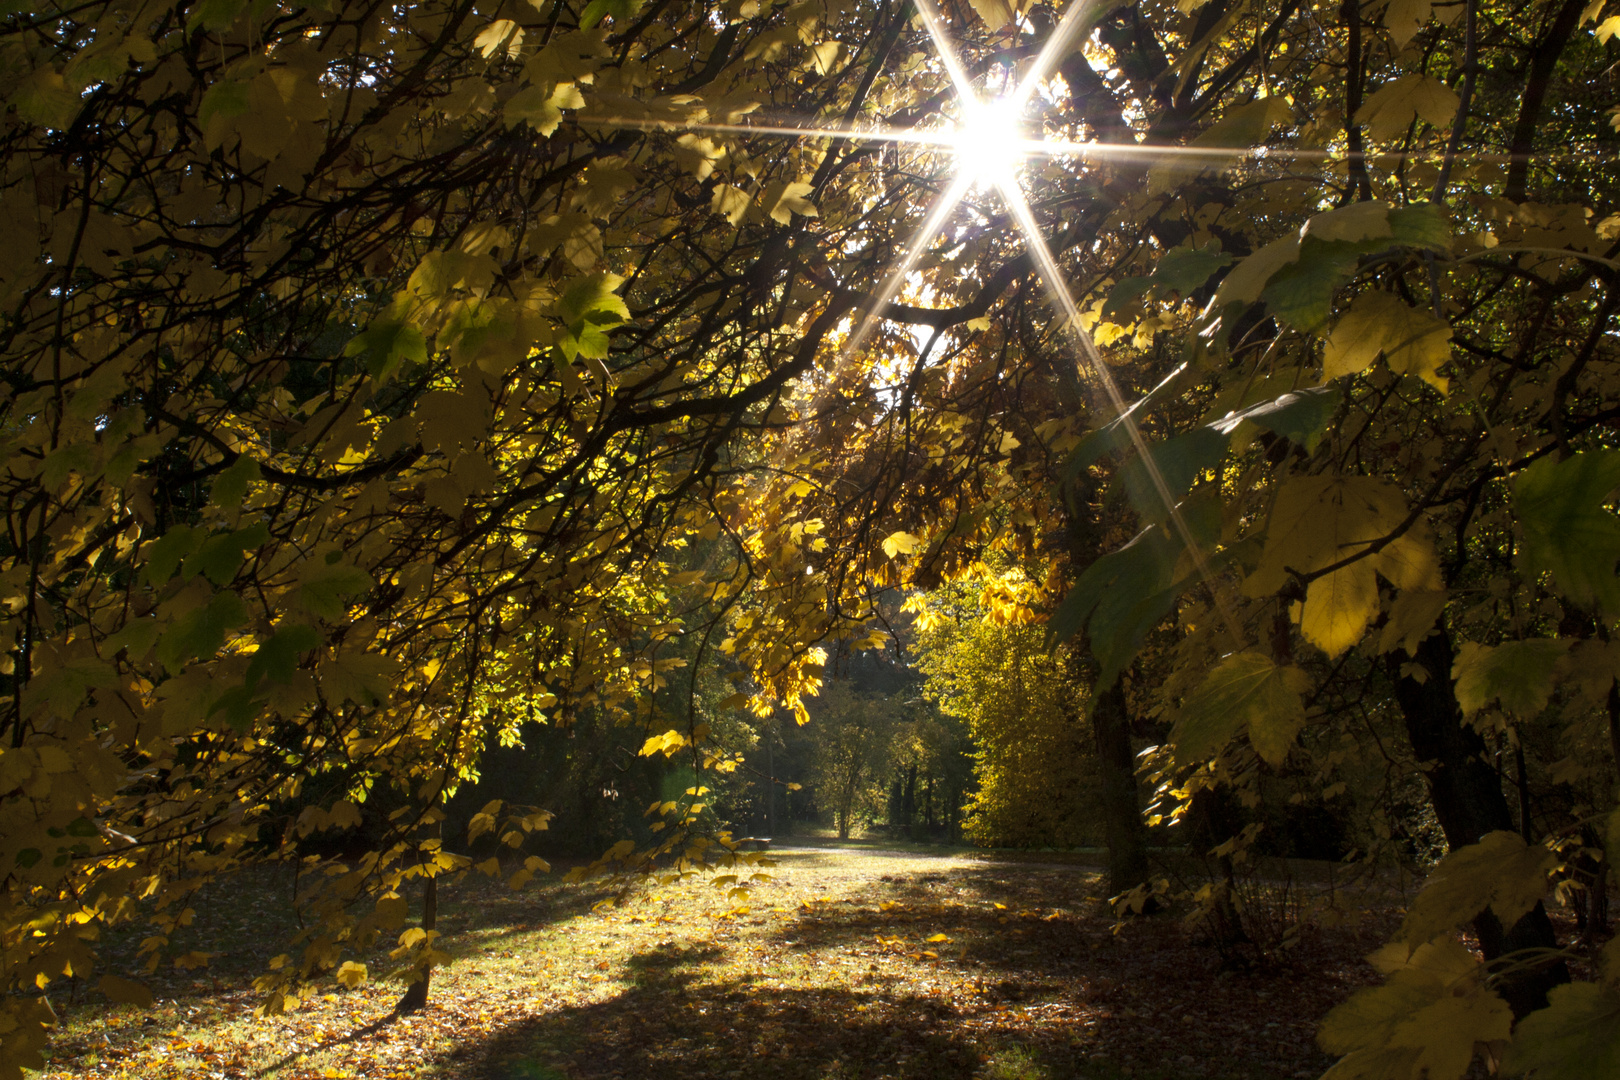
{"x": 990, "y": 143}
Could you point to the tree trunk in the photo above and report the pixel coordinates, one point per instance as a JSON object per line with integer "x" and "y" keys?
{"x": 1225, "y": 923}
{"x": 417, "y": 993}
{"x": 770, "y": 788}
{"x": 1122, "y": 812}
{"x": 1469, "y": 803}
{"x": 846, "y": 803}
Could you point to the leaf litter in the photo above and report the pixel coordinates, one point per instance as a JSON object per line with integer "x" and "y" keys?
{"x": 846, "y": 964}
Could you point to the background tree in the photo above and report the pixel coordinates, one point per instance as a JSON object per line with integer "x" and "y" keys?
{"x": 986, "y": 662}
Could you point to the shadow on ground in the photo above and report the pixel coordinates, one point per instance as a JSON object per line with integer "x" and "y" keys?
{"x": 668, "y": 1025}
{"x": 1019, "y": 992}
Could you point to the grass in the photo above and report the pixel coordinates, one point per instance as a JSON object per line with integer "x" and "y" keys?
{"x": 850, "y": 963}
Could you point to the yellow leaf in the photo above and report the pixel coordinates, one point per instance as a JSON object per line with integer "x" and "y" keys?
{"x": 502, "y": 35}
{"x": 1316, "y": 522}
{"x": 1411, "y": 617}
{"x": 1500, "y": 872}
{"x": 344, "y": 815}
{"x": 788, "y": 201}
{"x": 1358, "y": 221}
{"x": 1244, "y": 689}
{"x": 995, "y": 13}
{"x": 1338, "y": 607}
{"x": 1518, "y": 673}
{"x": 1412, "y": 341}
{"x": 1405, "y": 18}
{"x": 1247, "y": 280}
{"x": 1390, "y": 111}
{"x": 900, "y": 543}
{"x": 351, "y": 974}
{"x": 731, "y": 202}
{"x": 937, "y": 938}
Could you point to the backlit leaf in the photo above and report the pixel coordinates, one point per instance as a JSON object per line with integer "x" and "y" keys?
{"x": 1390, "y": 110}
{"x": 1518, "y": 673}
{"x": 1245, "y": 690}
{"x": 1412, "y": 341}
{"x": 1576, "y": 1037}
{"x": 1568, "y": 532}
{"x": 1501, "y": 872}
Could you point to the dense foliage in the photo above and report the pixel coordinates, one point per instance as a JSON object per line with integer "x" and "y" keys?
{"x": 378, "y": 379}
{"x": 1025, "y": 712}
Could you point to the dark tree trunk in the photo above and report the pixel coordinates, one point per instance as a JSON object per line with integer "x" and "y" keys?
{"x": 1122, "y": 812}
{"x": 908, "y": 799}
{"x": 1213, "y": 829}
{"x": 416, "y": 994}
{"x": 1469, "y": 803}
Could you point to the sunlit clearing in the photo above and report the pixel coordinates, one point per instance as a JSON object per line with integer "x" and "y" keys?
{"x": 990, "y": 142}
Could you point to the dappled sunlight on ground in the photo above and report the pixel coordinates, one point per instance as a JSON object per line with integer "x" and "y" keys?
{"x": 847, "y": 964}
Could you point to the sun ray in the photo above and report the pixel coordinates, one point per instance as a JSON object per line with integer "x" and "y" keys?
{"x": 981, "y": 133}
{"x": 1003, "y": 171}
{"x": 935, "y": 23}
{"x": 943, "y": 206}
{"x": 1052, "y": 278}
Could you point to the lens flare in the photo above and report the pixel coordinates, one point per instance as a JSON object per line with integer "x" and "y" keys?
{"x": 990, "y": 143}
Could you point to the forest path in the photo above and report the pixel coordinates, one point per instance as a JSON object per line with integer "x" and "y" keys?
{"x": 847, "y": 963}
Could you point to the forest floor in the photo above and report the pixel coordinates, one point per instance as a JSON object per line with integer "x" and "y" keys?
{"x": 851, "y": 963}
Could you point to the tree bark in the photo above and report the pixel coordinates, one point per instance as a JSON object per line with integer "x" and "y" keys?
{"x": 1543, "y": 60}
{"x": 1122, "y": 811}
{"x": 1469, "y": 803}
{"x": 416, "y": 994}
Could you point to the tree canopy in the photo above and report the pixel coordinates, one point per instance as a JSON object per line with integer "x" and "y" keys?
{"x": 377, "y": 378}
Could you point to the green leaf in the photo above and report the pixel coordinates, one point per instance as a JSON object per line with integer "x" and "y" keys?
{"x": 199, "y": 633}
{"x": 218, "y": 557}
{"x": 1185, "y": 270}
{"x": 324, "y": 586}
{"x": 1124, "y": 293}
{"x": 223, "y": 103}
{"x": 1567, "y": 531}
{"x": 364, "y": 678}
{"x": 1246, "y": 689}
{"x": 237, "y": 707}
{"x": 230, "y": 486}
{"x": 165, "y": 554}
{"x": 1112, "y": 437}
{"x": 1421, "y": 226}
{"x": 386, "y": 344}
{"x": 1299, "y": 416}
{"x": 1519, "y": 673}
{"x": 1501, "y": 872}
{"x": 215, "y": 14}
{"x": 1179, "y": 461}
{"x": 1119, "y": 598}
{"x": 1576, "y": 1037}
{"x": 621, "y": 10}
{"x": 277, "y": 659}
{"x": 588, "y": 306}
{"x": 593, "y": 298}
{"x": 1301, "y": 293}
